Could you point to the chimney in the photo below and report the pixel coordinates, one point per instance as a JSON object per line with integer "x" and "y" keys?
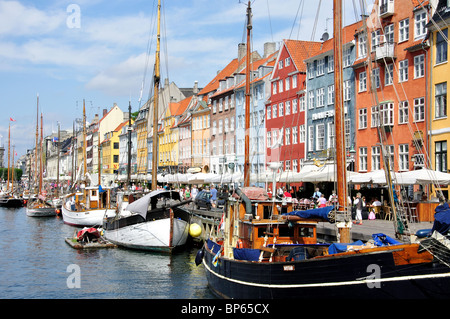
{"x": 242, "y": 51}
{"x": 195, "y": 89}
{"x": 269, "y": 48}
{"x": 105, "y": 111}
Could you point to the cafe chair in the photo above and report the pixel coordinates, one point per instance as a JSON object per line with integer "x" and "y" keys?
{"x": 387, "y": 212}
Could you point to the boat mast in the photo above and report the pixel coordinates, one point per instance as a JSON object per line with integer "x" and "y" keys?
{"x": 40, "y": 158}
{"x": 129, "y": 145}
{"x": 155, "y": 103}
{"x": 36, "y": 148}
{"x": 343, "y": 218}
{"x": 9, "y": 151}
{"x": 247, "y": 101}
{"x": 84, "y": 153}
{"x": 57, "y": 163}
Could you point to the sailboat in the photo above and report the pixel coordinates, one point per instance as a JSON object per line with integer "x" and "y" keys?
{"x": 39, "y": 206}
{"x": 9, "y": 199}
{"x": 157, "y": 221}
{"x": 89, "y": 206}
{"x": 265, "y": 249}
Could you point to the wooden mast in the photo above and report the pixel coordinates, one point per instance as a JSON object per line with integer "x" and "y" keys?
{"x": 36, "y": 148}
{"x": 57, "y": 163}
{"x": 247, "y": 101}
{"x": 40, "y": 158}
{"x": 155, "y": 103}
{"x": 129, "y": 146}
{"x": 343, "y": 219}
{"x": 84, "y": 153}
{"x": 9, "y": 151}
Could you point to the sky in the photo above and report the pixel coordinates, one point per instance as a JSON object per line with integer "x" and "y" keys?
{"x": 102, "y": 52}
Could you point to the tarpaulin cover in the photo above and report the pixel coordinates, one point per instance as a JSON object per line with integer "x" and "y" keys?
{"x": 313, "y": 213}
{"x": 88, "y": 232}
{"x": 384, "y": 240}
{"x": 441, "y": 219}
{"x": 340, "y": 248}
{"x": 246, "y": 254}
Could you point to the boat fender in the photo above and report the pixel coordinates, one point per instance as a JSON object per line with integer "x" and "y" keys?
{"x": 199, "y": 257}
{"x": 239, "y": 244}
{"x": 195, "y": 230}
{"x": 422, "y": 233}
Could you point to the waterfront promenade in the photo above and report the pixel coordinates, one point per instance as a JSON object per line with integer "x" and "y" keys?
{"x": 364, "y": 232}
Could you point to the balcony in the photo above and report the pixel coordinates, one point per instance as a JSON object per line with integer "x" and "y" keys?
{"x": 386, "y": 8}
{"x": 384, "y": 51}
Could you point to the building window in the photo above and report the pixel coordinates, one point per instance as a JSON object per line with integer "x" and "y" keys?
{"x": 347, "y": 90}
{"x": 420, "y": 20}
{"x": 269, "y": 139}
{"x": 387, "y": 114}
{"x": 294, "y": 135}
{"x": 280, "y": 109}
{"x": 274, "y": 87}
{"x": 294, "y": 106}
{"x": 346, "y": 57}
{"x": 320, "y": 97}
{"x": 362, "y": 81}
{"x": 389, "y": 34}
{"x": 362, "y": 118}
{"x": 302, "y": 133}
{"x": 441, "y": 100}
{"x": 330, "y": 94}
{"x": 288, "y": 107}
{"x": 295, "y": 165}
{"x": 376, "y": 158}
{"x": 375, "y": 119}
{"x": 376, "y": 77}
{"x": 280, "y": 86}
{"x": 287, "y": 136}
{"x": 441, "y": 46}
{"x": 375, "y": 39}
{"x": 330, "y": 63}
{"x": 419, "y": 66}
{"x": 403, "y": 71}
{"x": 294, "y": 81}
{"x": 311, "y": 99}
{"x": 302, "y": 103}
{"x": 362, "y": 42}
{"x": 441, "y": 156}
{"x": 311, "y": 138}
{"x": 274, "y": 111}
{"x": 320, "y": 140}
{"x": 389, "y": 74}
{"x": 287, "y": 61}
{"x": 310, "y": 70}
{"x": 287, "y": 84}
{"x": 269, "y": 112}
{"x": 331, "y": 135}
{"x": 419, "y": 109}
{"x": 403, "y": 160}
{"x": 320, "y": 67}
{"x": 403, "y": 112}
{"x": 403, "y": 30}
{"x": 363, "y": 159}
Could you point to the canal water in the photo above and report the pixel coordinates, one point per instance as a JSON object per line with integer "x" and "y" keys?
{"x": 36, "y": 263}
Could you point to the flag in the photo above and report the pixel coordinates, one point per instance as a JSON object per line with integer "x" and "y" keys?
{"x": 54, "y": 139}
{"x": 11, "y": 119}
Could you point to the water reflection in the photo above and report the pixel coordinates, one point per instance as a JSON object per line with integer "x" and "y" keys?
{"x": 35, "y": 257}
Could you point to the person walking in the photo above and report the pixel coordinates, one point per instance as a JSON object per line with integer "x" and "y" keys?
{"x": 358, "y": 202}
{"x": 213, "y": 193}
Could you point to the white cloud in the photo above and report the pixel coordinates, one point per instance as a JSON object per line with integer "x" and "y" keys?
{"x": 18, "y": 20}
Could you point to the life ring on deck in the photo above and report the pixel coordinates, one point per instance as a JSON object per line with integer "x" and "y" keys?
{"x": 239, "y": 244}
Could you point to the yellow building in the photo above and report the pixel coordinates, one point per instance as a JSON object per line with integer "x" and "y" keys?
{"x": 110, "y": 151}
{"x": 439, "y": 135}
{"x": 168, "y": 136}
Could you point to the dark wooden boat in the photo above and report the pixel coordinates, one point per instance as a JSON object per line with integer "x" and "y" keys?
{"x": 264, "y": 249}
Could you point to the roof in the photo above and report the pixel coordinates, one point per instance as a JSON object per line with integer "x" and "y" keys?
{"x": 214, "y": 84}
{"x": 301, "y": 50}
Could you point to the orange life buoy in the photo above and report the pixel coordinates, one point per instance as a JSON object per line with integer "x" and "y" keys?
{"x": 239, "y": 244}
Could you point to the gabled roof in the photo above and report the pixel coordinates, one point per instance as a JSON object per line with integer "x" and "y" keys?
{"x": 301, "y": 50}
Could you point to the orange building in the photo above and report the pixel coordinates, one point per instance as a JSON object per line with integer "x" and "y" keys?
{"x": 390, "y": 84}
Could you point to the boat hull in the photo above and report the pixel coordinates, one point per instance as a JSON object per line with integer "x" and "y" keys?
{"x": 369, "y": 275}
{"x": 150, "y": 235}
{"x": 11, "y": 202}
{"x": 87, "y": 218}
{"x": 41, "y": 212}
{"x": 161, "y": 234}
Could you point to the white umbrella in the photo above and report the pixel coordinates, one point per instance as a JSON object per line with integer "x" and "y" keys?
{"x": 423, "y": 176}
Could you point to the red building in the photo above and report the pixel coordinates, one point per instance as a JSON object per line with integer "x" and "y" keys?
{"x": 390, "y": 85}
{"x": 285, "y": 110}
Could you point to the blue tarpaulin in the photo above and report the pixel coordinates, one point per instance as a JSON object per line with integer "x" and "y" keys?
{"x": 384, "y": 240}
{"x": 441, "y": 219}
{"x": 246, "y": 254}
{"x": 340, "y": 248}
{"x": 213, "y": 246}
{"x": 313, "y": 213}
